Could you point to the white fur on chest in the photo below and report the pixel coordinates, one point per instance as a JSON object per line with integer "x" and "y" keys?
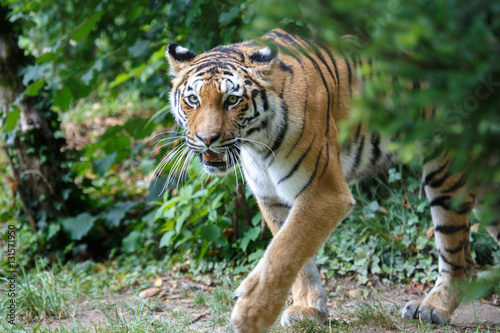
{"x": 264, "y": 180}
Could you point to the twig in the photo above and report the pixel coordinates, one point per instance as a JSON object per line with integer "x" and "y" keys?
{"x": 38, "y": 173}
{"x": 247, "y": 213}
{"x": 20, "y": 189}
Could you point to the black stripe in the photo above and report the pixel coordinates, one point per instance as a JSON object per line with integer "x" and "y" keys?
{"x": 375, "y": 141}
{"x": 299, "y": 161}
{"x": 318, "y": 69}
{"x": 349, "y": 74}
{"x": 292, "y": 147}
{"x": 322, "y": 59}
{"x": 264, "y": 98}
{"x": 280, "y": 204}
{"x": 327, "y": 159}
{"x": 313, "y": 174}
{"x": 285, "y": 67}
{"x": 228, "y": 49}
{"x": 257, "y": 128}
{"x": 281, "y": 134}
{"x": 440, "y": 181}
{"x": 454, "y": 266}
{"x": 332, "y": 59}
{"x": 430, "y": 176}
{"x": 458, "y": 185}
{"x": 441, "y": 201}
{"x": 450, "y": 229}
{"x": 208, "y": 64}
{"x": 176, "y": 99}
{"x": 358, "y": 130}
{"x": 359, "y": 152}
{"x": 459, "y": 248}
{"x": 254, "y": 93}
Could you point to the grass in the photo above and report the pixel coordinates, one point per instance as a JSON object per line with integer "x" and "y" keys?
{"x": 55, "y": 299}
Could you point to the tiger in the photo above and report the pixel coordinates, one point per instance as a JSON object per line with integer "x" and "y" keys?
{"x": 271, "y": 106}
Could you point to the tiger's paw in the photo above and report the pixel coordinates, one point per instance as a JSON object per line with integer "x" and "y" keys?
{"x": 247, "y": 318}
{"x": 297, "y": 313}
{"x": 426, "y": 312}
{"x": 257, "y": 306}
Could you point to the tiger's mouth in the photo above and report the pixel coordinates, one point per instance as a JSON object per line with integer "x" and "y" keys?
{"x": 217, "y": 163}
{"x": 212, "y": 158}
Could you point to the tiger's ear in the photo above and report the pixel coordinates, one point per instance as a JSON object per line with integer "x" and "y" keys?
{"x": 178, "y": 57}
{"x": 265, "y": 58}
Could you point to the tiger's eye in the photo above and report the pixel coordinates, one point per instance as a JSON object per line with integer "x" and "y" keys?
{"x": 233, "y": 99}
{"x": 193, "y": 99}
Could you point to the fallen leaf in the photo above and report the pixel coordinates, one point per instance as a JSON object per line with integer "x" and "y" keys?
{"x": 174, "y": 297}
{"x": 198, "y": 316}
{"x": 430, "y": 233}
{"x": 150, "y": 292}
{"x": 475, "y": 227}
{"x": 415, "y": 288}
{"x": 158, "y": 282}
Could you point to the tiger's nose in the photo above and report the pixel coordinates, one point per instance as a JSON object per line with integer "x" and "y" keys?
{"x": 209, "y": 139}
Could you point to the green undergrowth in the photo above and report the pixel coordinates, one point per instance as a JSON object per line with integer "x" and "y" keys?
{"x": 386, "y": 235}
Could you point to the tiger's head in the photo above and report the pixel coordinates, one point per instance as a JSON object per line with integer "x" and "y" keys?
{"x": 221, "y": 99}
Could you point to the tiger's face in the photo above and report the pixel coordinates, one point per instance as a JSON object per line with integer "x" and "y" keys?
{"x": 217, "y": 99}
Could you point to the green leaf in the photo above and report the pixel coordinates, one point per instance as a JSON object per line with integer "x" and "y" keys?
{"x": 165, "y": 109}
{"x": 210, "y": 232}
{"x": 227, "y": 17}
{"x": 53, "y": 230}
{"x": 103, "y": 164}
{"x": 120, "y": 78}
{"x": 46, "y": 57}
{"x": 166, "y": 238}
{"x": 253, "y": 233}
{"x": 255, "y": 256}
{"x": 136, "y": 127}
{"x": 32, "y": 89}
{"x": 86, "y": 26}
{"x": 34, "y": 73}
{"x": 79, "y": 226}
{"x": 139, "y": 48}
{"x": 63, "y": 98}
{"x": 181, "y": 219}
{"x": 116, "y": 213}
{"x": 12, "y": 118}
{"x": 133, "y": 242}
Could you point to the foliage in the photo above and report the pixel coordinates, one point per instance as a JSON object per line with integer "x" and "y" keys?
{"x": 88, "y": 51}
{"x": 200, "y": 221}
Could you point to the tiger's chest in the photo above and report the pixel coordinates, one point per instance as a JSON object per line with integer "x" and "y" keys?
{"x": 267, "y": 177}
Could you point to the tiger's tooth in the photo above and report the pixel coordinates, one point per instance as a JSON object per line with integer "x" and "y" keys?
{"x": 224, "y": 158}
{"x": 206, "y": 158}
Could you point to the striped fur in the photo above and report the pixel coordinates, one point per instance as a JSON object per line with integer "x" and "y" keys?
{"x": 273, "y": 105}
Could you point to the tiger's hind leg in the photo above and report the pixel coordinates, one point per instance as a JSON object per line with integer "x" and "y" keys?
{"x": 309, "y": 298}
{"x": 451, "y": 232}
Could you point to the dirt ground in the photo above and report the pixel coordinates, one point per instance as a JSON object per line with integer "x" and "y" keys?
{"x": 177, "y": 294}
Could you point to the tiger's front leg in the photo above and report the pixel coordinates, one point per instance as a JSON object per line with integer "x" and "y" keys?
{"x": 309, "y": 297}
{"x": 314, "y": 215}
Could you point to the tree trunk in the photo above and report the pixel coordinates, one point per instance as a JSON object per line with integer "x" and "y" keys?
{"x": 39, "y": 167}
